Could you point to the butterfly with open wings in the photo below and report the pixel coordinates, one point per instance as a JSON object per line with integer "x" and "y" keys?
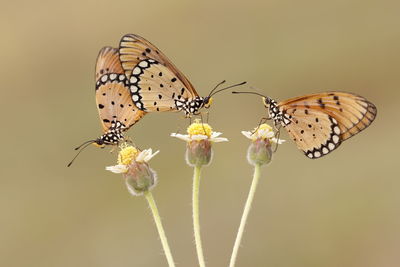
{"x": 319, "y": 123}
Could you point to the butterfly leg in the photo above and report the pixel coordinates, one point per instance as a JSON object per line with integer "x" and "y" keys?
{"x": 263, "y": 120}
{"x": 202, "y": 124}
{"x": 278, "y": 134}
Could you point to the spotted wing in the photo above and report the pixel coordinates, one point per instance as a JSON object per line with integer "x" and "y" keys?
{"x": 140, "y": 58}
{"x": 320, "y": 122}
{"x": 155, "y": 87}
{"x": 113, "y": 97}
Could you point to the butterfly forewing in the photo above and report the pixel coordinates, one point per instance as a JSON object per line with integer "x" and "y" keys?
{"x": 320, "y": 122}
{"x": 134, "y": 48}
{"x": 107, "y": 62}
{"x": 113, "y": 97}
{"x": 151, "y": 75}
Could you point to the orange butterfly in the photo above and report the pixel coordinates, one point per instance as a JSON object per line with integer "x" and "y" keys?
{"x": 116, "y": 109}
{"x": 319, "y": 123}
{"x": 156, "y": 85}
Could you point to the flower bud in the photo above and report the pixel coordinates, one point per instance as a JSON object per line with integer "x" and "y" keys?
{"x": 139, "y": 178}
{"x": 198, "y": 153}
{"x": 259, "y": 152}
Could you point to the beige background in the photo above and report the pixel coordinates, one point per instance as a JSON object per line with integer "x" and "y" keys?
{"x": 342, "y": 210}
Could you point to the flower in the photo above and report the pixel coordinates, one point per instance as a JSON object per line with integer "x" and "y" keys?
{"x": 200, "y": 131}
{"x": 260, "y": 150}
{"x": 264, "y": 131}
{"x": 133, "y": 164}
{"x": 199, "y": 141}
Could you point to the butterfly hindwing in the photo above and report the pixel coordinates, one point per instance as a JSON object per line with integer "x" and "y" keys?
{"x": 154, "y": 87}
{"x": 315, "y": 133}
{"x": 113, "y": 97}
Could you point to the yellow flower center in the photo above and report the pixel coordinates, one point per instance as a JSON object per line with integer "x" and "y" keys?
{"x": 264, "y": 126}
{"x": 198, "y": 127}
{"x": 127, "y": 154}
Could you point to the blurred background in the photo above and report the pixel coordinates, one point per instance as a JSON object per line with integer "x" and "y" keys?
{"x": 341, "y": 210}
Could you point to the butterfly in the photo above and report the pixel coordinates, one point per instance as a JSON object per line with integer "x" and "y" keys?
{"x": 155, "y": 84}
{"x": 319, "y": 123}
{"x": 116, "y": 109}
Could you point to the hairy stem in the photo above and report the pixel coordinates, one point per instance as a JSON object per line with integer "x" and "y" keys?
{"x": 246, "y": 211}
{"x": 157, "y": 220}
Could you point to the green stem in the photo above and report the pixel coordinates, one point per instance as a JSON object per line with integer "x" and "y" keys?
{"x": 196, "y": 220}
{"x": 157, "y": 219}
{"x": 246, "y": 211}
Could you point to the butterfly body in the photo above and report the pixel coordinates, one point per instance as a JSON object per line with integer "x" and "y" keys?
{"x": 319, "y": 123}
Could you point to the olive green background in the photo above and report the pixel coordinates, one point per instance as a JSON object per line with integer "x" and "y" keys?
{"x": 341, "y": 210}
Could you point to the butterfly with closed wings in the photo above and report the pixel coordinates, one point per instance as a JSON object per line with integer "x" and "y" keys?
{"x": 116, "y": 109}
{"x": 156, "y": 85}
{"x": 319, "y": 123}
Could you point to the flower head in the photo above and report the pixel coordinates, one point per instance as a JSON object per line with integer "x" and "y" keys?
{"x": 199, "y": 140}
{"x": 260, "y": 150}
{"x": 133, "y": 164}
{"x": 264, "y": 131}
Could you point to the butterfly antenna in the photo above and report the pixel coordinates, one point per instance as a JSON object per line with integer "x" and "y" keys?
{"x": 229, "y": 87}
{"x": 85, "y": 145}
{"x": 218, "y": 85}
{"x": 253, "y": 93}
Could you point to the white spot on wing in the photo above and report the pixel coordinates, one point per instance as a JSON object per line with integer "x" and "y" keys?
{"x": 136, "y": 70}
{"x": 331, "y": 146}
{"x": 335, "y": 139}
{"x": 133, "y": 79}
{"x": 134, "y": 88}
{"x": 144, "y": 64}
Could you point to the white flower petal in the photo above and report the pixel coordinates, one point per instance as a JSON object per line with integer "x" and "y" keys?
{"x": 151, "y": 155}
{"x": 269, "y": 134}
{"x": 117, "y": 168}
{"x": 198, "y": 137}
{"x": 278, "y": 141}
{"x": 215, "y": 134}
{"x": 143, "y": 154}
{"x": 183, "y": 137}
{"x": 218, "y": 139}
{"x": 248, "y": 134}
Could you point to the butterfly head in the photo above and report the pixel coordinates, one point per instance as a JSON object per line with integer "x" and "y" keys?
{"x": 112, "y": 137}
{"x": 207, "y": 101}
{"x": 99, "y": 142}
{"x": 266, "y": 101}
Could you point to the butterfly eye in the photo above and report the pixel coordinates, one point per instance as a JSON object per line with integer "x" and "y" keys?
{"x": 99, "y": 143}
